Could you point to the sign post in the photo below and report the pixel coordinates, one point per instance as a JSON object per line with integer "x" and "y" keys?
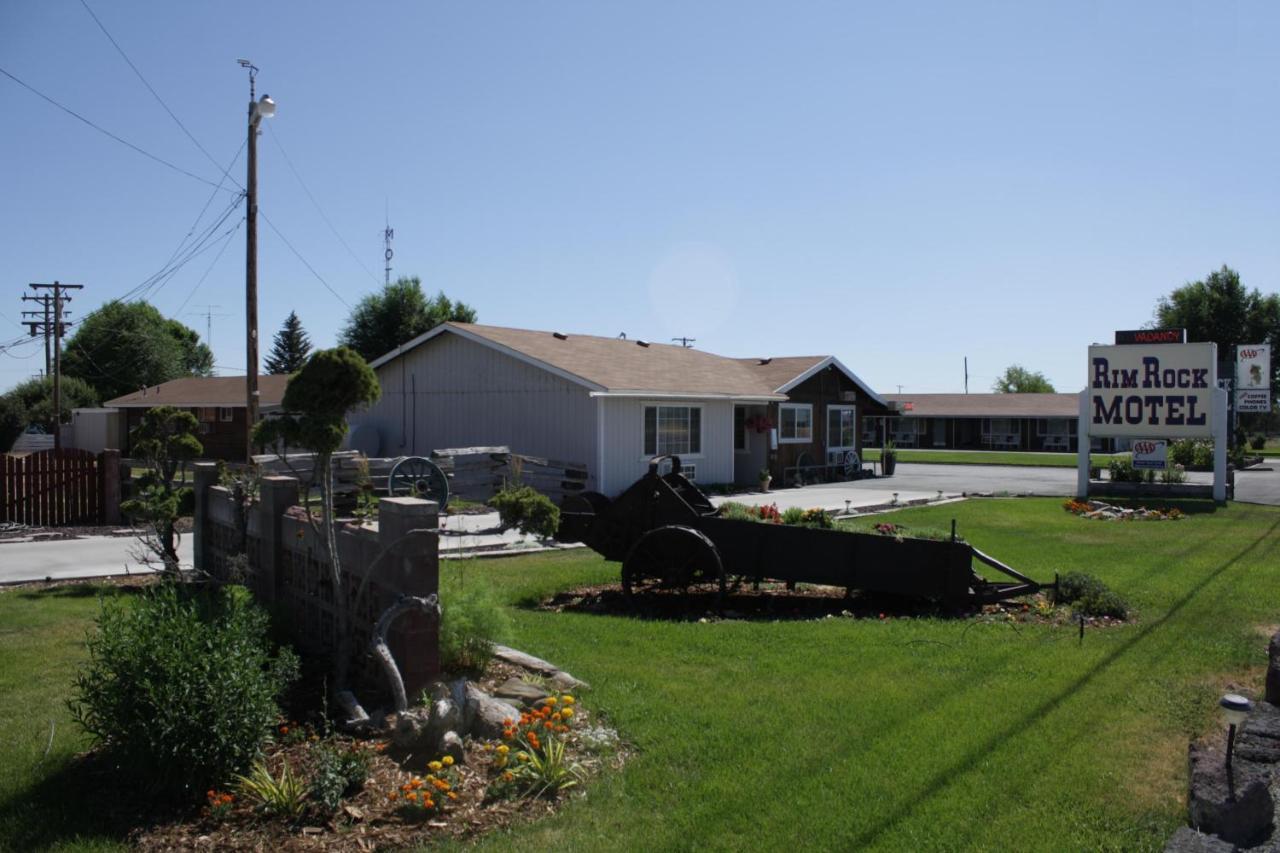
{"x": 1154, "y": 391}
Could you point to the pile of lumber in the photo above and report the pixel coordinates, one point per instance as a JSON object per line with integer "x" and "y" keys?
{"x": 474, "y": 473}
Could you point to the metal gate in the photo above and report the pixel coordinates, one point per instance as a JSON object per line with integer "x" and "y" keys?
{"x": 51, "y": 488}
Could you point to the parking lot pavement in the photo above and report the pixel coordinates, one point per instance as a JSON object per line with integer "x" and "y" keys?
{"x": 917, "y": 481}
{"x": 1259, "y": 485}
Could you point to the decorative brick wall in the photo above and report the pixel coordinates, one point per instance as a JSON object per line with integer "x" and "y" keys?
{"x": 286, "y": 567}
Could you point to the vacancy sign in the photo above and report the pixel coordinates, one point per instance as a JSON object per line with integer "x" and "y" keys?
{"x": 1253, "y": 378}
{"x": 1152, "y": 390}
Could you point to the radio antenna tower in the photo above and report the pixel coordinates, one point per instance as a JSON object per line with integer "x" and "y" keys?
{"x": 388, "y": 234}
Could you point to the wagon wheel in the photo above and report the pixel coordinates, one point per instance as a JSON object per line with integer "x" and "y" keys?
{"x": 852, "y": 465}
{"x": 677, "y": 557}
{"x": 416, "y": 477}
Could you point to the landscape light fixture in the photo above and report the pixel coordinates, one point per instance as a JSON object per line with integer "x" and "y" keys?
{"x": 1235, "y": 710}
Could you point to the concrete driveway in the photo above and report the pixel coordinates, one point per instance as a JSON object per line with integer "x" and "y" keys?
{"x": 67, "y": 559}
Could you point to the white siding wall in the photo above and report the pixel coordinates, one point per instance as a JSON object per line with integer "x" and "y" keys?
{"x": 623, "y": 435}
{"x": 451, "y": 392}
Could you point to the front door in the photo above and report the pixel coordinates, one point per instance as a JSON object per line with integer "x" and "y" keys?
{"x": 939, "y": 432}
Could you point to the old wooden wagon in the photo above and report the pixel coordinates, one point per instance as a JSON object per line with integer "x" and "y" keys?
{"x": 664, "y": 530}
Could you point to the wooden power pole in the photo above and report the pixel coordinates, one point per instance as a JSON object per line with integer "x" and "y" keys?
{"x": 57, "y": 298}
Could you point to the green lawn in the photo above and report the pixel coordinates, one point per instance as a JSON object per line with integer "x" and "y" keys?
{"x": 988, "y": 457}
{"x": 902, "y": 734}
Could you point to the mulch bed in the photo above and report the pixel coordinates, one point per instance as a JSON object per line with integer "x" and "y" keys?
{"x": 774, "y": 602}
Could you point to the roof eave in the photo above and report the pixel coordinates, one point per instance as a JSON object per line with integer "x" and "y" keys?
{"x": 822, "y": 365}
{"x": 688, "y": 395}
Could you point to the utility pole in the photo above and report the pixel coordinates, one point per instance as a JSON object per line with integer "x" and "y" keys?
{"x": 57, "y": 299}
{"x": 45, "y": 303}
{"x": 257, "y": 111}
{"x": 966, "y": 374}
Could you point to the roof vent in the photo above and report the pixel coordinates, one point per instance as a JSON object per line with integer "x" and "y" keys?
{"x": 560, "y": 336}
{"x": 765, "y": 360}
{"x": 642, "y": 343}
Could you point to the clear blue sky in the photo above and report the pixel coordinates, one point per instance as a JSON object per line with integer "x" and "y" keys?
{"x": 900, "y": 185}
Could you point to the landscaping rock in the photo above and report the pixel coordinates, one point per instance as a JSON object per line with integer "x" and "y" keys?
{"x": 538, "y": 665}
{"x": 518, "y": 691}
{"x": 563, "y": 681}
{"x": 451, "y": 744}
{"x": 410, "y": 729}
{"x": 488, "y": 715}
{"x": 1187, "y": 840}
{"x": 445, "y": 717}
{"x": 1239, "y": 809}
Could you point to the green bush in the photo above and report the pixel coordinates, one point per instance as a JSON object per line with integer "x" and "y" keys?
{"x": 1090, "y": 596}
{"x": 471, "y": 621}
{"x": 1258, "y": 442}
{"x": 337, "y": 773}
{"x": 793, "y": 515}
{"x": 1191, "y": 453}
{"x": 735, "y": 511}
{"x": 527, "y": 509}
{"x": 181, "y": 684}
{"x": 1122, "y": 470}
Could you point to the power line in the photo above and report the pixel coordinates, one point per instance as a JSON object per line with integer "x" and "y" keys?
{"x": 106, "y": 132}
{"x": 209, "y": 269}
{"x": 298, "y": 255}
{"x": 156, "y": 94}
{"x": 318, "y": 208}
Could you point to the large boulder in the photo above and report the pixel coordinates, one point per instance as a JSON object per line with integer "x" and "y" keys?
{"x": 489, "y": 716}
{"x": 517, "y": 691}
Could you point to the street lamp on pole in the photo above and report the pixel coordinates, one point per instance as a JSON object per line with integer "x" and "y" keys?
{"x": 258, "y": 110}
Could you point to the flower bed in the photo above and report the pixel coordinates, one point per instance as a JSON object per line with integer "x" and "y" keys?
{"x": 1108, "y": 512}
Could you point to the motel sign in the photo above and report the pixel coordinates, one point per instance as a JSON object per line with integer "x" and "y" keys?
{"x": 1152, "y": 391}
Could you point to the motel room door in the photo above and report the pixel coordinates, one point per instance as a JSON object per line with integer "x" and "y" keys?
{"x": 939, "y": 432}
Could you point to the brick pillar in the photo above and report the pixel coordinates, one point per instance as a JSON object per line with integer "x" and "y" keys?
{"x": 275, "y": 496}
{"x": 109, "y": 465}
{"x": 412, "y": 568}
{"x": 205, "y": 475}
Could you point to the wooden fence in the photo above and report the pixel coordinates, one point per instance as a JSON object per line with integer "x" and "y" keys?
{"x": 56, "y": 488}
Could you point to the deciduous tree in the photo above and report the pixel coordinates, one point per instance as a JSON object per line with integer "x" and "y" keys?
{"x": 124, "y": 346}
{"x": 398, "y": 313}
{"x": 1018, "y": 380}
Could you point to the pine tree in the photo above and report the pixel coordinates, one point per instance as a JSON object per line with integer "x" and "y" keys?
{"x": 290, "y": 348}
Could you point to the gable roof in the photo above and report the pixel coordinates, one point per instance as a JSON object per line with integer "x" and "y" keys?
{"x": 787, "y": 372}
{"x": 620, "y": 367}
{"x": 987, "y": 405}
{"x": 204, "y": 391}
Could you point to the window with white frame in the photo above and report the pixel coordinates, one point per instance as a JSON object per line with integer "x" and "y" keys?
{"x": 842, "y": 424}
{"x": 795, "y": 423}
{"x": 225, "y": 414}
{"x": 672, "y": 430}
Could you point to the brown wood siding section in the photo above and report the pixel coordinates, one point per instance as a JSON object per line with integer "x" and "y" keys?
{"x": 821, "y": 390}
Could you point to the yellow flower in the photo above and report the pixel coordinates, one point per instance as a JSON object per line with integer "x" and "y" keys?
{"x": 523, "y": 756}
{"x": 436, "y": 766}
{"x": 447, "y": 761}
{"x": 503, "y": 749}
{"x": 452, "y": 795}
{"x": 566, "y": 713}
{"x": 566, "y": 699}
{"x": 550, "y": 700}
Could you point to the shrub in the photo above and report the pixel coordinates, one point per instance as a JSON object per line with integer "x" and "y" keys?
{"x": 1191, "y": 453}
{"x": 181, "y": 684}
{"x": 1090, "y": 596}
{"x": 792, "y": 515}
{"x": 1258, "y": 442}
{"x": 1173, "y": 474}
{"x": 527, "y": 509}
{"x": 1122, "y": 470}
{"x": 735, "y": 511}
{"x": 337, "y": 773}
{"x": 471, "y": 622}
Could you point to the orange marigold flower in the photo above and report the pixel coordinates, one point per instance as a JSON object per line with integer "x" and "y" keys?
{"x": 284, "y": 730}
{"x": 508, "y": 776}
{"x": 452, "y": 795}
{"x": 412, "y": 796}
{"x": 428, "y": 804}
{"x": 393, "y": 795}
{"x": 507, "y": 722}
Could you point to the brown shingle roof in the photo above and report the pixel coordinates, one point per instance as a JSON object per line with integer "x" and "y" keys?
{"x": 776, "y": 372}
{"x": 225, "y": 391}
{"x": 616, "y": 365}
{"x": 987, "y": 405}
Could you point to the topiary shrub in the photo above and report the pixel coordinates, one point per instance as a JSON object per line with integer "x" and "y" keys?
{"x": 471, "y": 622}
{"x": 181, "y": 684}
{"x": 528, "y": 510}
{"x": 1090, "y": 596}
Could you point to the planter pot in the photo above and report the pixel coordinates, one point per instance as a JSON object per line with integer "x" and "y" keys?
{"x": 764, "y": 484}
{"x": 887, "y": 464}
